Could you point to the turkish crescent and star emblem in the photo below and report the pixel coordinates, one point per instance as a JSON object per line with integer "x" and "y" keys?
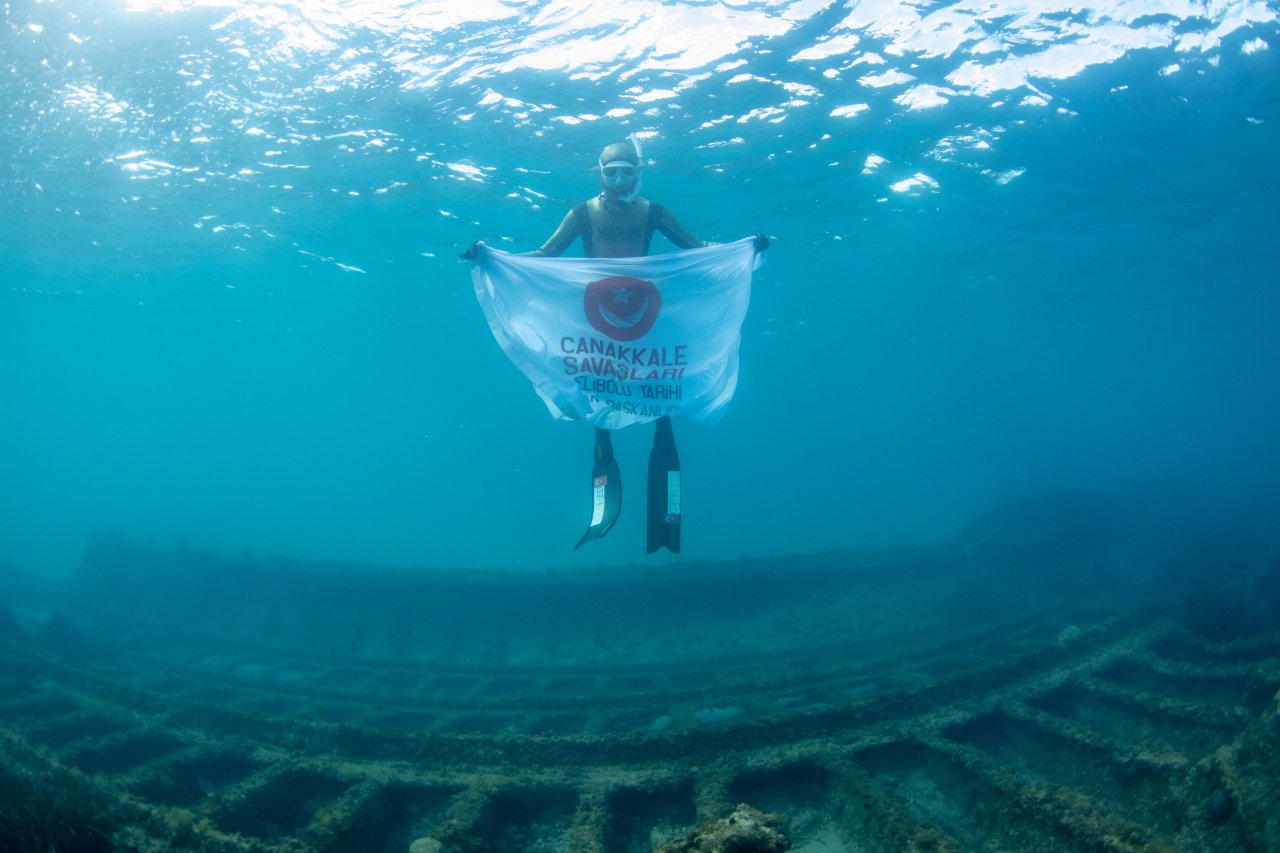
{"x": 622, "y": 307}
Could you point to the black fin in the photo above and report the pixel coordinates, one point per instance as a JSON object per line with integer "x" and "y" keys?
{"x": 664, "y": 490}
{"x": 606, "y": 490}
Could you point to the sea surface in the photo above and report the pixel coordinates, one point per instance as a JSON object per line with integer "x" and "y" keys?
{"x": 1018, "y": 248}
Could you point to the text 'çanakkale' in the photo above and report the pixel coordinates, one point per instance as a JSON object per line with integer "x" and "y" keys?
{"x": 598, "y": 357}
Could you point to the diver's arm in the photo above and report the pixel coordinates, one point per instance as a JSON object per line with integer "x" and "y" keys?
{"x": 559, "y": 241}
{"x": 675, "y": 232}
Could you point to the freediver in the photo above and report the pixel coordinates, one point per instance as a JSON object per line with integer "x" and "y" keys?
{"x": 620, "y": 223}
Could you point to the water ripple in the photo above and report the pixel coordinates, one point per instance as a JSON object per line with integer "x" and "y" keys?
{"x": 387, "y": 98}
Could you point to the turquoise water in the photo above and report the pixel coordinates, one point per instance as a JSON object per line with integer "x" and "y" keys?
{"x": 1017, "y": 248}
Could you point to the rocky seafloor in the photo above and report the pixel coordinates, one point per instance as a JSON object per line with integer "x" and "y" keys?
{"x": 1049, "y": 681}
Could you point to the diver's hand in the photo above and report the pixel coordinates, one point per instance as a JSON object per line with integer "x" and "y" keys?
{"x": 470, "y": 253}
{"x": 762, "y": 242}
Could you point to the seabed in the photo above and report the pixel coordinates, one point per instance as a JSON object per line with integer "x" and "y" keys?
{"x": 1023, "y": 689}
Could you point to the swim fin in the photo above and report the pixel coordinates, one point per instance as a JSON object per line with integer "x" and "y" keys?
{"x": 664, "y": 490}
{"x": 606, "y": 490}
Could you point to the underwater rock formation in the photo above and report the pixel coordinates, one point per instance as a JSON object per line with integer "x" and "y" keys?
{"x": 747, "y": 830}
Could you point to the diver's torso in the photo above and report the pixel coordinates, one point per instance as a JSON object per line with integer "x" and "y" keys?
{"x": 621, "y": 234}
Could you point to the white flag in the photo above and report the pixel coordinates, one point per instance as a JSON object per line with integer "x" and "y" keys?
{"x": 620, "y": 341}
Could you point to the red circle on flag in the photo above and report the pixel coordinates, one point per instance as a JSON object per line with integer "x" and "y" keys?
{"x": 622, "y": 307}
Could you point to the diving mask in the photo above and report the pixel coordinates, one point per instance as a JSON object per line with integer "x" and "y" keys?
{"x": 618, "y": 173}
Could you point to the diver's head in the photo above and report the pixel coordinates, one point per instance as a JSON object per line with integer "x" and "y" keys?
{"x": 620, "y": 171}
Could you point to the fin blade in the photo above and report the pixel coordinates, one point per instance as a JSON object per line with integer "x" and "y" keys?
{"x": 606, "y": 491}
{"x": 664, "y": 502}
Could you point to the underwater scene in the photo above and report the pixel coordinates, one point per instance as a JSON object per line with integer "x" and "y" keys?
{"x": 947, "y": 520}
